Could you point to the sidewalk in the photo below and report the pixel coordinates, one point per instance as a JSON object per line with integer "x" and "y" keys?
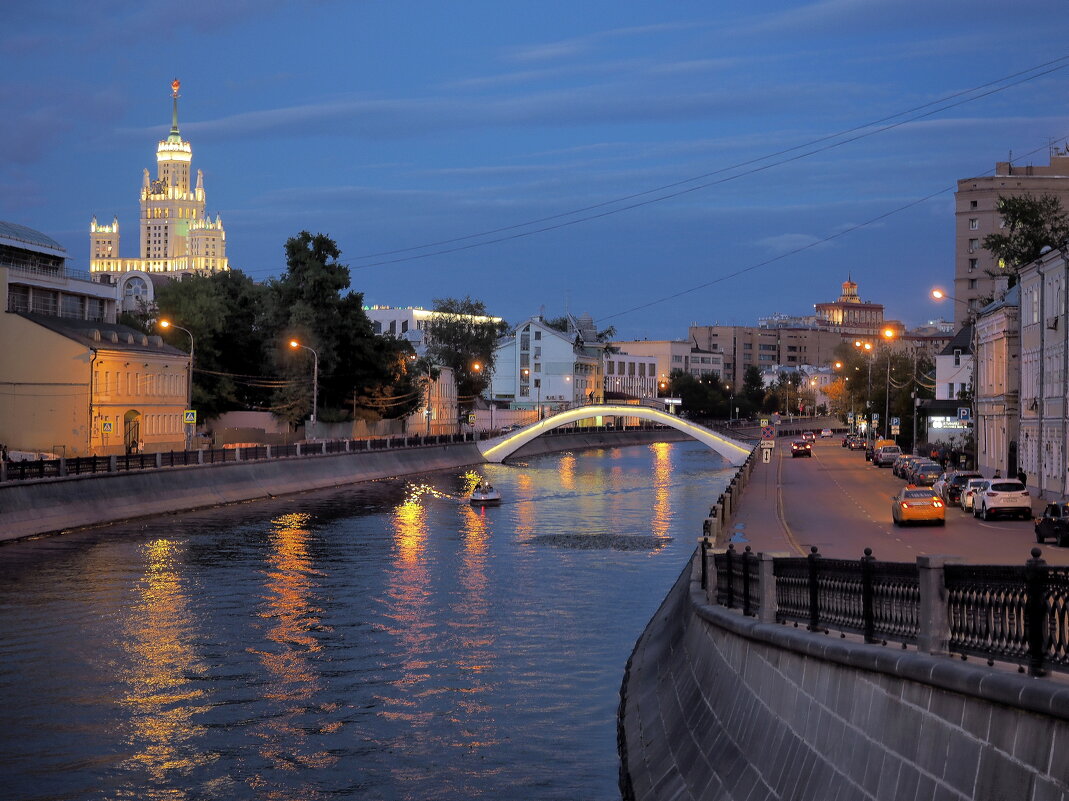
{"x": 758, "y": 521}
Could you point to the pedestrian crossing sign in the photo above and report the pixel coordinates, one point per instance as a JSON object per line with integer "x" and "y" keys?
{"x": 189, "y": 416}
{"x": 106, "y": 426}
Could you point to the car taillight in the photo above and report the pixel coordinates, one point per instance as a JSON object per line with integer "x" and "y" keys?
{"x": 1024, "y": 492}
{"x": 991, "y": 494}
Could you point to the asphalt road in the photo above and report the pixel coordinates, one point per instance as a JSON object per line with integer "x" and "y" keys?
{"x": 842, "y": 504}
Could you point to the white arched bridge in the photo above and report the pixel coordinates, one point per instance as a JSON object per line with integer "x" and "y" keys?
{"x": 497, "y": 449}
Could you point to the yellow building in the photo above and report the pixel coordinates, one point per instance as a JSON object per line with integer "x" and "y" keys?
{"x": 72, "y": 381}
{"x": 177, "y": 234}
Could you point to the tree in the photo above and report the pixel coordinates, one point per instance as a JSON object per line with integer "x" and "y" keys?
{"x": 753, "y": 387}
{"x": 1030, "y": 224}
{"x": 460, "y": 335}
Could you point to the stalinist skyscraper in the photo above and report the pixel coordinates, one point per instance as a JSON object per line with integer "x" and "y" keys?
{"x": 177, "y": 236}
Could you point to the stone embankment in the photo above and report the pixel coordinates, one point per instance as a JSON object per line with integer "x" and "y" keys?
{"x": 715, "y": 705}
{"x": 29, "y": 508}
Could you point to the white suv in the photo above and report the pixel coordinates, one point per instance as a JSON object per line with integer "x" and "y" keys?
{"x": 1006, "y": 496}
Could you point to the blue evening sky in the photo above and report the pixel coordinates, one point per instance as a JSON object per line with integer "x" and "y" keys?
{"x": 393, "y": 126}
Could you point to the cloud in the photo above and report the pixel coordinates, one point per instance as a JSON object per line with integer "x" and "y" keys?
{"x": 786, "y": 243}
{"x": 580, "y": 45}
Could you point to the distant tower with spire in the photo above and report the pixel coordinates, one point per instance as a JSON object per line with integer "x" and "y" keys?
{"x": 177, "y": 234}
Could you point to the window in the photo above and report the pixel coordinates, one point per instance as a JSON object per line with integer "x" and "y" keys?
{"x": 677, "y": 359}
{"x": 974, "y": 245}
{"x": 608, "y": 367}
{"x": 537, "y": 368}
{"x": 973, "y": 264}
{"x": 972, "y": 204}
{"x": 974, "y": 224}
{"x": 972, "y": 283}
{"x": 642, "y": 369}
{"x": 538, "y": 335}
{"x": 957, "y": 358}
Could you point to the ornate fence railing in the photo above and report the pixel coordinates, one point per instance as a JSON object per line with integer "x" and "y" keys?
{"x": 1008, "y": 613}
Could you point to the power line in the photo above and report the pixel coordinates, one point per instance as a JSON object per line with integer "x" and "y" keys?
{"x": 844, "y": 137}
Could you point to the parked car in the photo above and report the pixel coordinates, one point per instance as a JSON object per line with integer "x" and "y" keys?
{"x": 968, "y": 492}
{"x": 910, "y": 472}
{"x": 955, "y": 481}
{"x": 927, "y": 474}
{"x": 1054, "y": 524}
{"x": 917, "y": 505}
{"x": 801, "y": 448}
{"x": 900, "y": 464}
{"x": 884, "y": 456}
{"x": 825, "y": 433}
{"x": 1003, "y": 496}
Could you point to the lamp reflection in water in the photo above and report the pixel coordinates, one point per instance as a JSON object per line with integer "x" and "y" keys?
{"x": 661, "y": 522}
{"x": 161, "y": 694}
{"x": 289, "y": 608}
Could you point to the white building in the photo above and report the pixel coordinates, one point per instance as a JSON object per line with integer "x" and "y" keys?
{"x": 538, "y": 366}
{"x": 630, "y": 376}
{"x": 177, "y": 234}
{"x": 409, "y": 323}
{"x": 997, "y": 397}
{"x": 671, "y": 355}
{"x": 1044, "y": 377}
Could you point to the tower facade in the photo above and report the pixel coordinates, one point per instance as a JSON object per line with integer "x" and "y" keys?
{"x": 177, "y": 234}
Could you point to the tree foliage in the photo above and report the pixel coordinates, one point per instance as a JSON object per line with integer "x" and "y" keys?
{"x": 1030, "y": 224}
{"x": 242, "y": 332}
{"x": 460, "y": 336}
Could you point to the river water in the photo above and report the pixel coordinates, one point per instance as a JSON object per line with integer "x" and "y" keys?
{"x": 385, "y": 641}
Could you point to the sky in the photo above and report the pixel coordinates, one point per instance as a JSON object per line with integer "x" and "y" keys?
{"x": 652, "y": 164}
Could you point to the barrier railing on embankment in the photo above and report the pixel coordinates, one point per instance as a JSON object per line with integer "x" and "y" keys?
{"x": 1007, "y": 613}
{"x": 31, "y": 470}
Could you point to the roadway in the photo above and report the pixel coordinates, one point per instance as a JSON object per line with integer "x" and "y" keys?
{"x": 840, "y": 503}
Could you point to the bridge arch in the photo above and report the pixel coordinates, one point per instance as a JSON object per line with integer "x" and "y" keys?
{"x": 497, "y": 449}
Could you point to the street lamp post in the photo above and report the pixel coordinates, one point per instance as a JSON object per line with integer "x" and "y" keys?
{"x": 888, "y": 334}
{"x": 189, "y": 380}
{"x": 315, "y": 376}
{"x": 867, "y": 346}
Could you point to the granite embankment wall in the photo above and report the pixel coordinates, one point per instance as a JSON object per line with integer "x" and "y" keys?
{"x": 719, "y": 706}
{"x": 29, "y": 508}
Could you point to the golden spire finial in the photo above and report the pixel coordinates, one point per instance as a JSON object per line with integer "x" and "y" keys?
{"x": 174, "y": 87}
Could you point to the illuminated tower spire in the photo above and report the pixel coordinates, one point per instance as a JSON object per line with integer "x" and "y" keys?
{"x": 175, "y": 136}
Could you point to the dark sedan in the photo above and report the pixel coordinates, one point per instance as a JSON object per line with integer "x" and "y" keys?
{"x": 1054, "y": 524}
{"x": 801, "y": 448}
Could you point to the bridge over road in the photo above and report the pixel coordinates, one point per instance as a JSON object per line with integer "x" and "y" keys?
{"x": 717, "y": 704}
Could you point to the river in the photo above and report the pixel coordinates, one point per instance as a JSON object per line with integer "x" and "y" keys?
{"x": 384, "y": 641}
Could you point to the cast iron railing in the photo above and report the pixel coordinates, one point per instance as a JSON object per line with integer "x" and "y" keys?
{"x": 997, "y": 612}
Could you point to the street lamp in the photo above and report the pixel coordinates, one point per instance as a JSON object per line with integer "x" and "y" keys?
{"x": 189, "y": 379}
{"x": 867, "y": 347}
{"x": 888, "y": 334}
{"x": 315, "y": 376}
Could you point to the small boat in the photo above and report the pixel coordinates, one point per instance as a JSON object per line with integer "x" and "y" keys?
{"x": 485, "y": 495}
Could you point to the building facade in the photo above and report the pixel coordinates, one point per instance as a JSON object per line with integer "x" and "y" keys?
{"x": 77, "y": 383}
{"x": 630, "y": 376}
{"x": 671, "y": 355}
{"x": 177, "y": 234}
{"x": 1044, "y": 373}
{"x": 976, "y": 216}
{"x": 998, "y": 351}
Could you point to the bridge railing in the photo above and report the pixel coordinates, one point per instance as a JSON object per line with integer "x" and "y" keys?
{"x": 996, "y": 612}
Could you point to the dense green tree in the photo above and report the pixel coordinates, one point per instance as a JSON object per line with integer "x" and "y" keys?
{"x": 460, "y": 336}
{"x": 700, "y": 398}
{"x": 1030, "y": 224}
{"x": 361, "y": 374}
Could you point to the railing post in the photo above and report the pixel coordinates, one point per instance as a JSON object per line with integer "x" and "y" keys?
{"x": 766, "y": 611}
{"x": 200, "y": 456}
{"x": 159, "y": 460}
{"x": 62, "y": 466}
{"x": 729, "y": 574}
{"x": 113, "y": 464}
{"x": 298, "y": 449}
{"x": 3, "y": 470}
{"x": 814, "y": 590}
{"x": 747, "y": 557}
{"x": 868, "y": 616}
{"x": 705, "y": 564}
{"x": 933, "y": 636}
{"x": 324, "y": 450}
{"x": 268, "y": 451}
{"x": 1035, "y": 611}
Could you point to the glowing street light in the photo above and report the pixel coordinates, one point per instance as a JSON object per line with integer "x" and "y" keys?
{"x": 189, "y": 379}
{"x": 315, "y": 376}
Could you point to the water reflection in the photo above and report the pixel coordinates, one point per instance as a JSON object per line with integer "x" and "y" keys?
{"x": 661, "y": 521}
{"x": 159, "y": 697}
{"x": 289, "y": 737}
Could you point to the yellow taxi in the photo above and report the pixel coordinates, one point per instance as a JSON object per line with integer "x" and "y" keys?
{"x": 917, "y": 505}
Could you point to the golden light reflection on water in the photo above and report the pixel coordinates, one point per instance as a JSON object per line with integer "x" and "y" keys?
{"x": 524, "y": 506}
{"x": 287, "y": 738}
{"x": 566, "y": 468}
{"x": 662, "y": 480}
{"x": 161, "y": 699}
